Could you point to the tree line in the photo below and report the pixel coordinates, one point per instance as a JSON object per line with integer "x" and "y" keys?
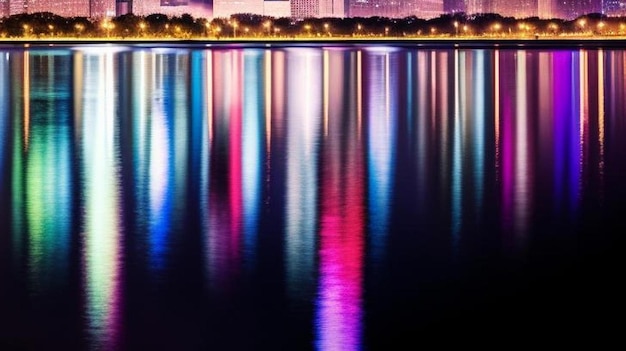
{"x": 45, "y": 24}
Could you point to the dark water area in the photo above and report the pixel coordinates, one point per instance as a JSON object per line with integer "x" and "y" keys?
{"x": 310, "y": 198}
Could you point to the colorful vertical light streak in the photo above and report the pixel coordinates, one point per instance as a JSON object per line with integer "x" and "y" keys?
{"x": 423, "y": 132}
{"x": 339, "y": 310}
{"x": 567, "y": 111}
{"x": 381, "y": 110}
{"x": 304, "y": 116}
{"x": 201, "y": 111}
{"x": 252, "y": 148}
{"x": 4, "y": 112}
{"x": 178, "y": 113}
{"x": 479, "y": 89}
{"x": 601, "y": 112}
{"x": 522, "y": 164}
{"x": 47, "y": 170}
{"x": 225, "y": 197}
{"x": 235, "y": 154}
{"x": 102, "y": 253}
{"x": 17, "y": 156}
{"x": 458, "y": 130}
{"x": 26, "y": 94}
{"x": 506, "y": 136}
{"x": 160, "y": 163}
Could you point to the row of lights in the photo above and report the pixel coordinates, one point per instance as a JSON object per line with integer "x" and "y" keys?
{"x": 107, "y": 25}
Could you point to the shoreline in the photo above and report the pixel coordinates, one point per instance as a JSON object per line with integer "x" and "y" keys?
{"x": 447, "y": 42}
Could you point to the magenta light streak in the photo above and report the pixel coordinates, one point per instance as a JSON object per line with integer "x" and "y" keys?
{"x": 235, "y": 154}
{"x": 507, "y": 142}
{"x": 339, "y": 310}
{"x": 225, "y": 192}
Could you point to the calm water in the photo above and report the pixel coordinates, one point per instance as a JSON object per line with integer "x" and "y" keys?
{"x": 309, "y": 198}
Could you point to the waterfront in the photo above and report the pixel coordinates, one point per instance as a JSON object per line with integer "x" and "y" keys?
{"x": 341, "y": 197}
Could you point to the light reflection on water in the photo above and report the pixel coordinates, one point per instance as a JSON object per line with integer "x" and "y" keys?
{"x": 191, "y": 179}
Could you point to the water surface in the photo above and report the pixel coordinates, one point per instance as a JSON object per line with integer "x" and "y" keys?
{"x": 309, "y": 198}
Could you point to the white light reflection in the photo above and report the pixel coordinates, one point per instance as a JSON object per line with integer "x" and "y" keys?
{"x": 304, "y": 70}
{"x": 252, "y": 146}
{"x": 456, "y": 185}
{"x": 480, "y": 102}
{"x": 522, "y": 171}
{"x": 102, "y": 252}
{"x": 381, "y": 114}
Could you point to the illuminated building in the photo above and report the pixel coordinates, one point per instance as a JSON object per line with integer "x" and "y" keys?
{"x": 395, "y": 8}
{"x": 614, "y": 7}
{"x": 66, "y": 8}
{"x": 123, "y": 7}
{"x": 226, "y": 8}
{"x": 517, "y": 9}
{"x": 97, "y": 8}
{"x": 318, "y": 8}
{"x": 570, "y": 9}
{"x": 4, "y": 8}
{"x": 277, "y": 8}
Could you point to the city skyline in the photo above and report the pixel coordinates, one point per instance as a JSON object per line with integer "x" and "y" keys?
{"x": 300, "y": 9}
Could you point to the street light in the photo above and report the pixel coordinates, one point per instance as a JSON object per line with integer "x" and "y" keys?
{"x": 496, "y": 27}
{"x": 307, "y": 27}
{"x": 268, "y": 27}
{"x": 456, "y": 28}
{"x": 326, "y": 28}
{"x": 601, "y": 26}
{"x": 79, "y": 28}
{"x": 582, "y": 22}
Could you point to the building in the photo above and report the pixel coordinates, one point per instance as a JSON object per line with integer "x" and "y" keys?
{"x": 97, "y": 8}
{"x": 517, "y": 9}
{"x": 318, "y": 8}
{"x": 395, "y": 8}
{"x": 227, "y": 8}
{"x": 274, "y": 8}
{"x": 277, "y": 8}
{"x": 570, "y": 9}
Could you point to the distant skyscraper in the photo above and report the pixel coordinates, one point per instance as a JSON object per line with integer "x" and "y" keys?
{"x": 570, "y": 9}
{"x": 614, "y": 7}
{"x": 4, "y": 8}
{"x": 67, "y": 8}
{"x": 395, "y": 8}
{"x": 318, "y": 8}
{"x": 454, "y": 6}
{"x": 226, "y": 8}
{"x": 123, "y": 7}
{"x": 277, "y": 8}
{"x": 305, "y": 8}
{"x": 97, "y": 8}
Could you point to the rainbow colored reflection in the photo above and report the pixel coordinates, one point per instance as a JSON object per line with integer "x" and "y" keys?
{"x": 200, "y": 166}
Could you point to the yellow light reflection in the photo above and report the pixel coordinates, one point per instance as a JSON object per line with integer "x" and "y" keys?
{"x": 601, "y": 111}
